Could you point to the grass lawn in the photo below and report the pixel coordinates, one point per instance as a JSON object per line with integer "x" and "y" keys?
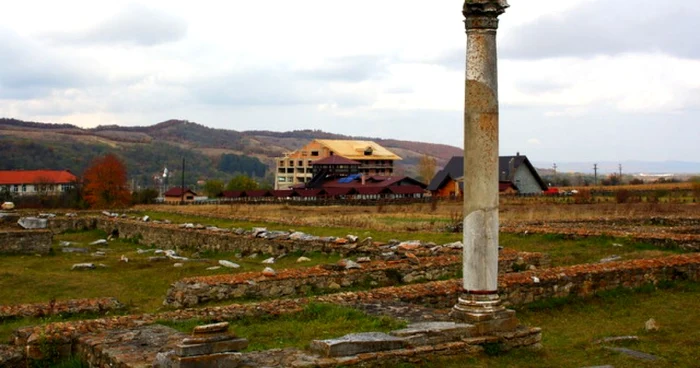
{"x": 139, "y": 283}
{"x": 315, "y": 322}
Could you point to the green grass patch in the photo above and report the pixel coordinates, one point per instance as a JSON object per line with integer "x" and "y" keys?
{"x": 569, "y": 330}
{"x": 316, "y": 321}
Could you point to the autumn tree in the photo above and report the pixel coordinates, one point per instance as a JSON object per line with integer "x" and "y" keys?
{"x": 213, "y": 188}
{"x": 426, "y": 168}
{"x": 242, "y": 182}
{"x": 105, "y": 183}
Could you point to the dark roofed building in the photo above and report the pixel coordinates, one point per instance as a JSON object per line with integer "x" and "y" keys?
{"x": 515, "y": 172}
{"x": 176, "y": 195}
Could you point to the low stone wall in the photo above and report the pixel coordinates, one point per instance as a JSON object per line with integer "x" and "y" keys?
{"x": 192, "y": 291}
{"x": 59, "y": 225}
{"x": 25, "y": 241}
{"x": 61, "y": 307}
{"x": 517, "y": 288}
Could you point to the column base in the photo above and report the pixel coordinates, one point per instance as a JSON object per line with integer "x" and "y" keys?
{"x": 485, "y": 312}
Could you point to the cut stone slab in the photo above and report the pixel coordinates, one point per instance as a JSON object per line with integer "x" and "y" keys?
{"x": 83, "y": 266}
{"x": 614, "y": 339}
{"x": 634, "y": 354}
{"x": 431, "y": 333}
{"x": 210, "y": 328}
{"x": 227, "y": 346}
{"x": 74, "y": 250}
{"x": 31, "y": 223}
{"x": 221, "y": 360}
{"x": 228, "y": 264}
{"x": 99, "y": 242}
{"x": 358, "y": 343}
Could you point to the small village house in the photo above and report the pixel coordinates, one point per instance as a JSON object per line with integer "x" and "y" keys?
{"x": 35, "y": 182}
{"x": 176, "y": 194}
{"x": 516, "y": 176}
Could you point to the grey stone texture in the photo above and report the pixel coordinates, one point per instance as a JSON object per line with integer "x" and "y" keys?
{"x": 354, "y": 344}
{"x": 25, "y": 241}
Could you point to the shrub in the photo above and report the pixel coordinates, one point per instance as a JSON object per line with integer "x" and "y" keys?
{"x": 622, "y": 196}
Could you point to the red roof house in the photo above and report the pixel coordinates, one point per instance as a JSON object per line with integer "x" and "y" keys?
{"x": 29, "y": 182}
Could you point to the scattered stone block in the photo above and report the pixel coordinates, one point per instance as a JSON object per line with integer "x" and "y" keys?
{"x": 157, "y": 259}
{"x": 269, "y": 272}
{"x": 431, "y": 333}
{"x": 363, "y": 260}
{"x": 178, "y": 264}
{"x": 213, "y": 268}
{"x": 228, "y": 264}
{"x": 634, "y": 354}
{"x": 31, "y": 223}
{"x": 74, "y": 250}
{"x": 614, "y": 339}
{"x": 8, "y": 206}
{"x": 83, "y": 266}
{"x": 651, "y": 325}
{"x": 303, "y": 259}
{"x": 99, "y": 242}
{"x": 358, "y": 343}
{"x": 210, "y": 328}
{"x": 270, "y": 260}
{"x": 612, "y": 258}
{"x": 230, "y": 345}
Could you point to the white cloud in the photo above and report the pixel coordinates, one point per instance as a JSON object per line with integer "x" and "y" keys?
{"x": 392, "y": 68}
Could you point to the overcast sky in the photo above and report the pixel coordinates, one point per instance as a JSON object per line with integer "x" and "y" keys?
{"x": 579, "y": 80}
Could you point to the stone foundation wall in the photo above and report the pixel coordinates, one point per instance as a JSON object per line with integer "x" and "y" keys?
{"x": 516, "y": 287}
{"x": 61, "y": 307}
{"x": 190, "y": 292}
{"x": 25, "y": 241}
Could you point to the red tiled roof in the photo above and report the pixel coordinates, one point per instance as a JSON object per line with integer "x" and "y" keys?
{"x": 282, "y": 193}
{"x": 232, "y": 193}
{"x": 257, "y": 193}
{"x": 177, "y": 192}
{"x": 335, "y": 160}
{"x": 406, "y": 189}
{"x": 310, "y": 192}
{"x": 371, "y": 190}
{"x": 504, "y": 185}
{"x": 36, "y": 176}
{"x": 340, "y": 191}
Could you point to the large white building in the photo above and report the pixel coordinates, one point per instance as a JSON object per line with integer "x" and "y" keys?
{"x": 32, "y": 182}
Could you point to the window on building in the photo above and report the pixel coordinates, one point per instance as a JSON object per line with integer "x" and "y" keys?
{"x": 314, "y": 153}
{"x": 281, "y": 162}
{"x": 281, "y": 179}
{"x": 331, "y": 153}
{"x": 280, "y": 170}
{"x": 24, "y": 188}
{"x": 309, "y": 163}
{"x": 291, "y": 162}
{"x": 65, "y": 187}
{"x": 300, "y": 163}
{"x": 15, "y": 188}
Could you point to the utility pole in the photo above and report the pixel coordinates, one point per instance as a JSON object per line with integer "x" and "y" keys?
{"x": 595, "y": 174}
{"x": 620, "y": 177}
{"x": 182, "y": 182}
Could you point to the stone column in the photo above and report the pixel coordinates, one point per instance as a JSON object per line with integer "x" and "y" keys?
{"x": 480, "y": 301}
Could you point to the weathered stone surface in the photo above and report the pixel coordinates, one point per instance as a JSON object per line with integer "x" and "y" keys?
{"x": 25, "y": 241}
{"x": 63, "y": 307}
{"x": 74, "y": 250}
{"x": 226, "y": 346}
{"x": 651, "y": 325}
{"x": 633, "y": 353}
{"x": 210, "y": 328}
{"x": 132, "y": 347}
{"x": 269, "y": 272}
{"x": 221, "y": 360}
{"x": 229, "y": 264}
{"x": 427, "y": 333}
{"x": 83, "y": 266}
{"x": 614, "y": 339}
{"x": 99, "y": 242}
{"x": 32, "y": 223}
{"x": 353, "y": 344}
{"x": 213, "y": 337}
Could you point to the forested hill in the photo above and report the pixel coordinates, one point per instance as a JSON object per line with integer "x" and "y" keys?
{"x": 208, "y": 152}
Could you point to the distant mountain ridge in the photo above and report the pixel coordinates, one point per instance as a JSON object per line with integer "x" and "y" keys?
{"x": 149, "y": 148}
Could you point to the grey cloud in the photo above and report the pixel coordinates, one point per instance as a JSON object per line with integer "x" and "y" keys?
{"x": 28, "y": 70}
{"x": 348, "y": 69}
{"x": 609, "y": 27}
{"x": 134, "y": 25}
{"x": 275, "y": 87}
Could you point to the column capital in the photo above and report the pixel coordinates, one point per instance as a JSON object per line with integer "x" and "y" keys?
{"x": 483, "y": 14}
